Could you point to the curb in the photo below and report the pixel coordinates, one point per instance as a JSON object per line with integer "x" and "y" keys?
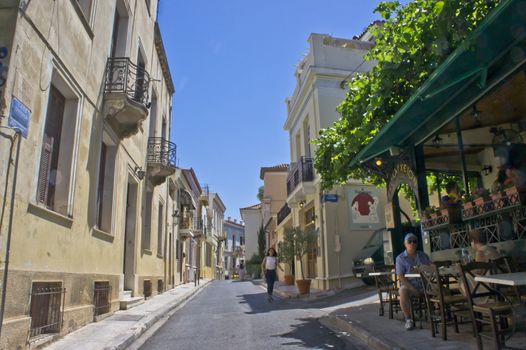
{"x": 337, "y": 325}
{"x": 128, "y": 338}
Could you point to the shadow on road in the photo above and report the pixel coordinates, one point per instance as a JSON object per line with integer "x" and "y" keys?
{"x": 310, "y": 334}
{"x": 258, "y": 301}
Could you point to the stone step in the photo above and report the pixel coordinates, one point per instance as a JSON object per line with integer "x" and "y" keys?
{"x": 128, "y": 303}
{"x": 127, "y": 294}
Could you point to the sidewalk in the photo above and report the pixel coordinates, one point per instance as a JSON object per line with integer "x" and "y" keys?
{"x": 381, "y": 333}
{"x": 286, "y": 291}
{"x": 123, "y": 327}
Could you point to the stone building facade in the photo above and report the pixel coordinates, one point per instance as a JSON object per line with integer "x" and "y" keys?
{"x": 87, "y": 82}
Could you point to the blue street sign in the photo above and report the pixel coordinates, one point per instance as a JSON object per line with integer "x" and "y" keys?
{"x": 330, "y": 197}
{"x": 19, "y": 116}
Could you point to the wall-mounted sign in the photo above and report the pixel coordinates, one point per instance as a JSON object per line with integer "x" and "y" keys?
{"x": 364, "y": 203}
{"x": 19, "y": 116}
{"x": 330, "y": 197}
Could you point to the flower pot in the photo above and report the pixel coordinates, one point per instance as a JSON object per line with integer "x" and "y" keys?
{"x": 468, "y": 205}
{"x": 434, "y": 216}
{"x": 511, "y": 191}
{"x": 289, "y": 280}
{"x": 479, "y": 201}
{"x": 303, "y": 286}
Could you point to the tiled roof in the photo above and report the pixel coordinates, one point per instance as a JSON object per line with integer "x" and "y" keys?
{"x": 276, "y": 168}
{"x": 255, "y": 206}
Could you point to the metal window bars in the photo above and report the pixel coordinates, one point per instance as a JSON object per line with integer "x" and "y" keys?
{"x": 123, "y": 76}
{"x": 102, "y": 298}
{"x": 47, "y": 308}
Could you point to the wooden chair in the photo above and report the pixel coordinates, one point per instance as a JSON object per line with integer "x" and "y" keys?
{"x": 442, "y": 305}
{"x": 485, "y": 311}
{"x": 386, "y": 286}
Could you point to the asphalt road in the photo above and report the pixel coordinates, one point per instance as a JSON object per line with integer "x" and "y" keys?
{"x": 237, "y": 315}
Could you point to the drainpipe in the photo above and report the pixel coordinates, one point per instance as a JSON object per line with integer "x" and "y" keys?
{"x": 11, "y": 208}
{"x": 322, "y": 240}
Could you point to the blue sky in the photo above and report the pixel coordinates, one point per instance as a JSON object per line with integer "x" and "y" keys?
{"x": 233, "y": 65}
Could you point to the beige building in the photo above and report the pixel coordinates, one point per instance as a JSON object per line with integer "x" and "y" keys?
{"x": 349, "y": 219}
{"x": 88, "y": 84}
{"x": 274, "y": 198}
{"x": 190, "y": 217}
{"x": 213, "y": 247}
{"x": 253, "y": 219}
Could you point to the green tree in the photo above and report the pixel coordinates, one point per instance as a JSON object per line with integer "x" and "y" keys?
{"x": 262, "y": 242}
{"x": 410, "y": 44}
{"x": 302, "y": 242}
{"x": 261, "y": 193}
{"x": 286, "y": 251}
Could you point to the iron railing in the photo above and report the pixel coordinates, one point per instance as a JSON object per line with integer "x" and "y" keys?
{"x": 301, "y": 171}
{"x": 102, "y": 298}
{"x": 283, "y": 213}
{"x": 160, "y": 286}
{"x": 47, "y": 308}
{"x": 123, "y": 76}
{"x": 161, "y": 151}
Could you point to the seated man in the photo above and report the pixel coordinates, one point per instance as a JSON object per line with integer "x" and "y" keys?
{"x": 405, "y": 263}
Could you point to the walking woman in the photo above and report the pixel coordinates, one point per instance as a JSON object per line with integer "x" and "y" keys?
{"x": 268, "y": 268}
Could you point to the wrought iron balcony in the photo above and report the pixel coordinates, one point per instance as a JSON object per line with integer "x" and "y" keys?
{"x": 283, "y": 213}
{"x": 302, "y": 171}
{"x": 161, "y": 156}
{"x": 126, "y": 95}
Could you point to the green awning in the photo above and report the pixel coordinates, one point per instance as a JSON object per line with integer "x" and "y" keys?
{"x": 491, "y": 53}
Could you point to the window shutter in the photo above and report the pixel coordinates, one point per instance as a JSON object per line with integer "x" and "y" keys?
{"x": 45, "y": 168}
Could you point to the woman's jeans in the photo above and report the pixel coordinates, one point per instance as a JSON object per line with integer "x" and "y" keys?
{"x": 270, "y": 276}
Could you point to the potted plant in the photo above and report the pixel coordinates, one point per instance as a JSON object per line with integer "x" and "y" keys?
{"x": 286, "y": 254}
{"x": 435, "y": 212}
{"x": 428, "y": 211}
{"x": 303, "y": 239}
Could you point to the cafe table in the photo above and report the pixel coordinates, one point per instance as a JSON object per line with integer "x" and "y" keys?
{"x": 508, "y": 279}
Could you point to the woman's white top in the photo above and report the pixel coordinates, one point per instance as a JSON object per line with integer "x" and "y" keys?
{"x": 270, "y": 263}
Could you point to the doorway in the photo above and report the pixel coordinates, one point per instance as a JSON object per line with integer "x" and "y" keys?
{"x": 130, "y": 235}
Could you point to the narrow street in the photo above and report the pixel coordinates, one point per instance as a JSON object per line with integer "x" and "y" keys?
{"x": 237, "y": 315}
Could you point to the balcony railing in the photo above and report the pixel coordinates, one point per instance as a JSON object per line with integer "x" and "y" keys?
{"x": 123, "y": 76}
{"x": 161, "y": 152}
{"x": 283, "y": 213}
{"x": 301, "y": 171}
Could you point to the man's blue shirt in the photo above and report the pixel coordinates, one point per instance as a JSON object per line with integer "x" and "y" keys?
{"x": 405, "y": 263}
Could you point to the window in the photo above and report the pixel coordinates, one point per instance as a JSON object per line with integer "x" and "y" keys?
{"x": 57, "y": 159}
{"x": 208, "y": 255}
{"x": 147, "y": 235}
{"x": 105, "y": 185}
{"x": 120, "y": 31}
{"x": 45, "y": 309}
{"x": 241, "y": 240}
{"x": 160, "y": 230}
{"x": 153, "y": 114}
{"x": 233, "y": 242}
